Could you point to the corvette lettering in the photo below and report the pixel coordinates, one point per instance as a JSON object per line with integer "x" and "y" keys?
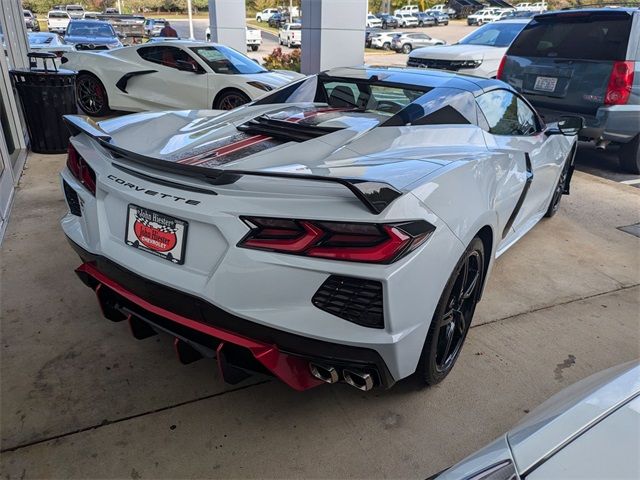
{"x": 152, "y": 193}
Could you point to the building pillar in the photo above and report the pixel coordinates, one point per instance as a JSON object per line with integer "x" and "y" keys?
{"x": 228, "y": 23}
{"x": 332, "y": 34}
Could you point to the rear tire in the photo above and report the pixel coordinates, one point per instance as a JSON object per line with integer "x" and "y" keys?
{"x": 92, "y": 96}
{"x": 629, "y": 156}
{"x": 406, "y": 49}
{"x": 254, "y": 48}
{"x": 386, "y": 46}
{"x": 452, "y": 317}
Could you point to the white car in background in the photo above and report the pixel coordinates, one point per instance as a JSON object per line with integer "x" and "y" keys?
{"x": 384, "y": 39}
{"x": 406, "y": 20}
{"x": 442, "y": 8}
{"x": 373, "y": 22}
{"x": 290, "y": 35}
{"x": 75, "y": 11}
{"x": 538, "y": 7}
{"x": 483, "y": 16}
{"x": 266, "y": 14}
{"x": 169, "y": 74}
{"x": 590, "y": 430}
{"x": 57, "y": 21}
{"x": 523, "y": 7}
{"x": 254, "y": 38}
{"x": 339, "y": 229}
{"x": 407, "y": 9}
{"x": 479, "y": 53}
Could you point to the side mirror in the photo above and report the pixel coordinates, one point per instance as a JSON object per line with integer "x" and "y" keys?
{"x": 185, "y": 66}
{"x": 567, "y": 125}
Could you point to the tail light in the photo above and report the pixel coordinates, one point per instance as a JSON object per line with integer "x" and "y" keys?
{"x": 501, "y": 68}
{"x": 81, "y": 170}
{"x": 355, "y": 242}
{"x": 620, "y": 83}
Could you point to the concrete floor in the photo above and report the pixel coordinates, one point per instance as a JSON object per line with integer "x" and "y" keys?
{"x": 80, "y": 398}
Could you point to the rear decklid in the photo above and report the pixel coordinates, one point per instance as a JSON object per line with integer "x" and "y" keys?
{"x": 563, "y": 60}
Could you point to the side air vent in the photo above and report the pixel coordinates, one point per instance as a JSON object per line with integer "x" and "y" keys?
{"x": 72, "y": 199}
{"x": 353, "y": 299}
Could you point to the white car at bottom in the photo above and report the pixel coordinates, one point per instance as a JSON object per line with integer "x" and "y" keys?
{"x": 341, "y": 228}
{"x": 169, "y": 74}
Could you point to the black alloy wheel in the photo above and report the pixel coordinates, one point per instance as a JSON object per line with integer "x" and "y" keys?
{"x": 92, "y": 96}
{"x": 453, "y": 315}
{"x": 230, "y": 100}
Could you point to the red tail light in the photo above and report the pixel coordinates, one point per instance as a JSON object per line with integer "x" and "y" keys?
{"x": 355, "y": 242}
{"x": 81, "y": 170}
{"x": 501, "y": 68}
{"x": 620, "y": 83}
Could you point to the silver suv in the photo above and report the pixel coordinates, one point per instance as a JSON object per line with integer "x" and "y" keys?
{"x": 584, "y": 62}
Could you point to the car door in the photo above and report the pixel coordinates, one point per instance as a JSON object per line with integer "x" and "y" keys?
{"x": 166, "y": 85}
{"x": 513, "y": 127}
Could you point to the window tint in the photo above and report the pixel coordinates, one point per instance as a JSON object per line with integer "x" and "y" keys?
{"x": 167, "y": 56}
{"x": 562, "y": 36}
{"x": 506, "y": 114}
{"x": 439, "y": 106}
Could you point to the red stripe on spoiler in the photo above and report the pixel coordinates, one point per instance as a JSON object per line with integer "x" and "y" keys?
{"x": 292, "y": 370}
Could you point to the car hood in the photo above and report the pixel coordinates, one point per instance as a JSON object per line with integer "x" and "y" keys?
{"x": 353, "y": 148}
{"x": 90, "y": 40}
{"x": 459, "y": 52}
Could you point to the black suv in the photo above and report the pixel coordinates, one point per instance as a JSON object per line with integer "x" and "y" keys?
{"x": 584, "y": 62}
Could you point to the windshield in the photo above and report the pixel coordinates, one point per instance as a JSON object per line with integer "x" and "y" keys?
{"x": 227, "y": 61}
{"x": 96, "y": 30}
{"x": 493, "y": 35}
{"x": 76, "y": 8}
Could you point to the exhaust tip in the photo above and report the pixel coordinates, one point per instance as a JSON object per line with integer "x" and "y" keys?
{"x": 360, "y": 380}
{"x": 326, "y": 374}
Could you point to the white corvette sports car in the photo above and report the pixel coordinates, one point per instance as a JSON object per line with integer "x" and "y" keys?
{"x": 340, "y": 228}
{"x": 169, "y": 74}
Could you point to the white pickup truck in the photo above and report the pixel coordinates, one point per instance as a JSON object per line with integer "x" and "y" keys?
{"x": 290, "y": 35}
{"x": 254, "y": 38}
{"x": 57, "y": 21}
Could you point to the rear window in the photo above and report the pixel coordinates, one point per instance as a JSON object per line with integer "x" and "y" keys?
{"x": 566, "y": 35}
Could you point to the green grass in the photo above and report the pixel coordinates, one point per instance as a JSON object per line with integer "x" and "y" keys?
{"x": 262, "y": 26}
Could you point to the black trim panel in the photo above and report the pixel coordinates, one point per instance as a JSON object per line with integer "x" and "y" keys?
{"x": 122, "y": 83}
{"x": 523, "y": 195}
{"x": 198, "y": 309}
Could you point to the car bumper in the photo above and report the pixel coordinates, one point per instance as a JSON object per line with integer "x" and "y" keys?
{"x": 617, "y": 123}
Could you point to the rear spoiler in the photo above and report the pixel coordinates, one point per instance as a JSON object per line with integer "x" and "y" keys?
{"x": 376, "y": 196}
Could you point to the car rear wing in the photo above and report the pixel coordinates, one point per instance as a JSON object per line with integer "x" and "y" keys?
{"x": 375, "y": 195}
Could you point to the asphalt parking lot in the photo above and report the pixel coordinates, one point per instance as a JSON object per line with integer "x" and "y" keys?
{"x": 82, "y": 399}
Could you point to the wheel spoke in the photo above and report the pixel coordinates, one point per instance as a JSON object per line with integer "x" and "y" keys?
{"x": 448, "y": 317}
{"x": 449, "y": 340}
{"x": 471, "y": 287}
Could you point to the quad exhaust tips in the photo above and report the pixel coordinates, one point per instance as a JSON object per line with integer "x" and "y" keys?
{"x": 356, "y": 378}
{"x": 326, "y": 374}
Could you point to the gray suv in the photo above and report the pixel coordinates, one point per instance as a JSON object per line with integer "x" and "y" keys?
{"x": 584, "y": 62}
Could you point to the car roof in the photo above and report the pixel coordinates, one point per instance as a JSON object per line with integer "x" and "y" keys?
{"x": 420, "y": 77}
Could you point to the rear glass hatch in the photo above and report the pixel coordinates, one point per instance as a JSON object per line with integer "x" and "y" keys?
{"x": 564, "y": 60}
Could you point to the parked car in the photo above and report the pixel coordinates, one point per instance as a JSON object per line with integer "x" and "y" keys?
{"x": 290, "y": 35}
{"x": 539, "y": 7}
{"x": 369, "y": 33}
{"x": 111, "y": 11}
{"x": 91, "y": 35}
{"x": 439, "y": 17}
{"x": 442, "y": 8}
{"x": 91, "y": 15}
{"x": 153, "y": 26}
{"x": 425, "y": 20}
{"x": 388, "y": 21}
{"x": 169, "y": 74}
{"x": 517, "y": 14}
{"x": 407, "y": 10}
{"x": 364, "y": 263}
{"x": 278, "y": 20}
{"x": 479, "y": 53}
{"x": 384, "y": 39}
{"x": 266, "y": 14}
{"x": 549, "y": 64}
{"x": 406, "y": 42}
{"x": 75, "y": 11}
{"x": 254, "y": 38}
{"x": 49, "y": 43}
{"x": 523, "y": 7}
{"x": 57, "y": 21}
{"x": 588, "y": 430}
{"x": 407, "y": 20}
{"x": 373, "y": 22}
{"x": 483, "y": 16}
{"x": 31, "y": 21}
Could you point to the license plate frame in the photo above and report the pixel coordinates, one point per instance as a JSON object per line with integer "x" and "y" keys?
{"x": 545, "y": 84}
{"x": 157, "y": 233}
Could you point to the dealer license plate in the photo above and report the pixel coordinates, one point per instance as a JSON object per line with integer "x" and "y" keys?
{"x": 156, "y": 233}
{"x": 545, "y": 84}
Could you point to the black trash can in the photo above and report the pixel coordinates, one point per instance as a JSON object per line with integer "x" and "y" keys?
{"x": 46, "y": 95}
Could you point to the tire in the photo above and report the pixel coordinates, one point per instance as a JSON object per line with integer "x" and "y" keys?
{"x": 406, "y": 48}
{"x": 629, "y": 156}
{"x": 446, "y": 23}
{"x": 254, "y": 48}
{"x": 421, "y": 24}
{"x": 259, "y": 19}
{"x": 480, "y": 23}
{"x": 561, "y": 186}
{"x": 384, "y": 26}
{"x": 230, "y": 99}
{"x": 386, "y": 46}
{"x": 92, "y": 96}
{"x": 452, "y": 317}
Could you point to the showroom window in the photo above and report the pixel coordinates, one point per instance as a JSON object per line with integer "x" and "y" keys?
{"x": 506, "y": 114}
